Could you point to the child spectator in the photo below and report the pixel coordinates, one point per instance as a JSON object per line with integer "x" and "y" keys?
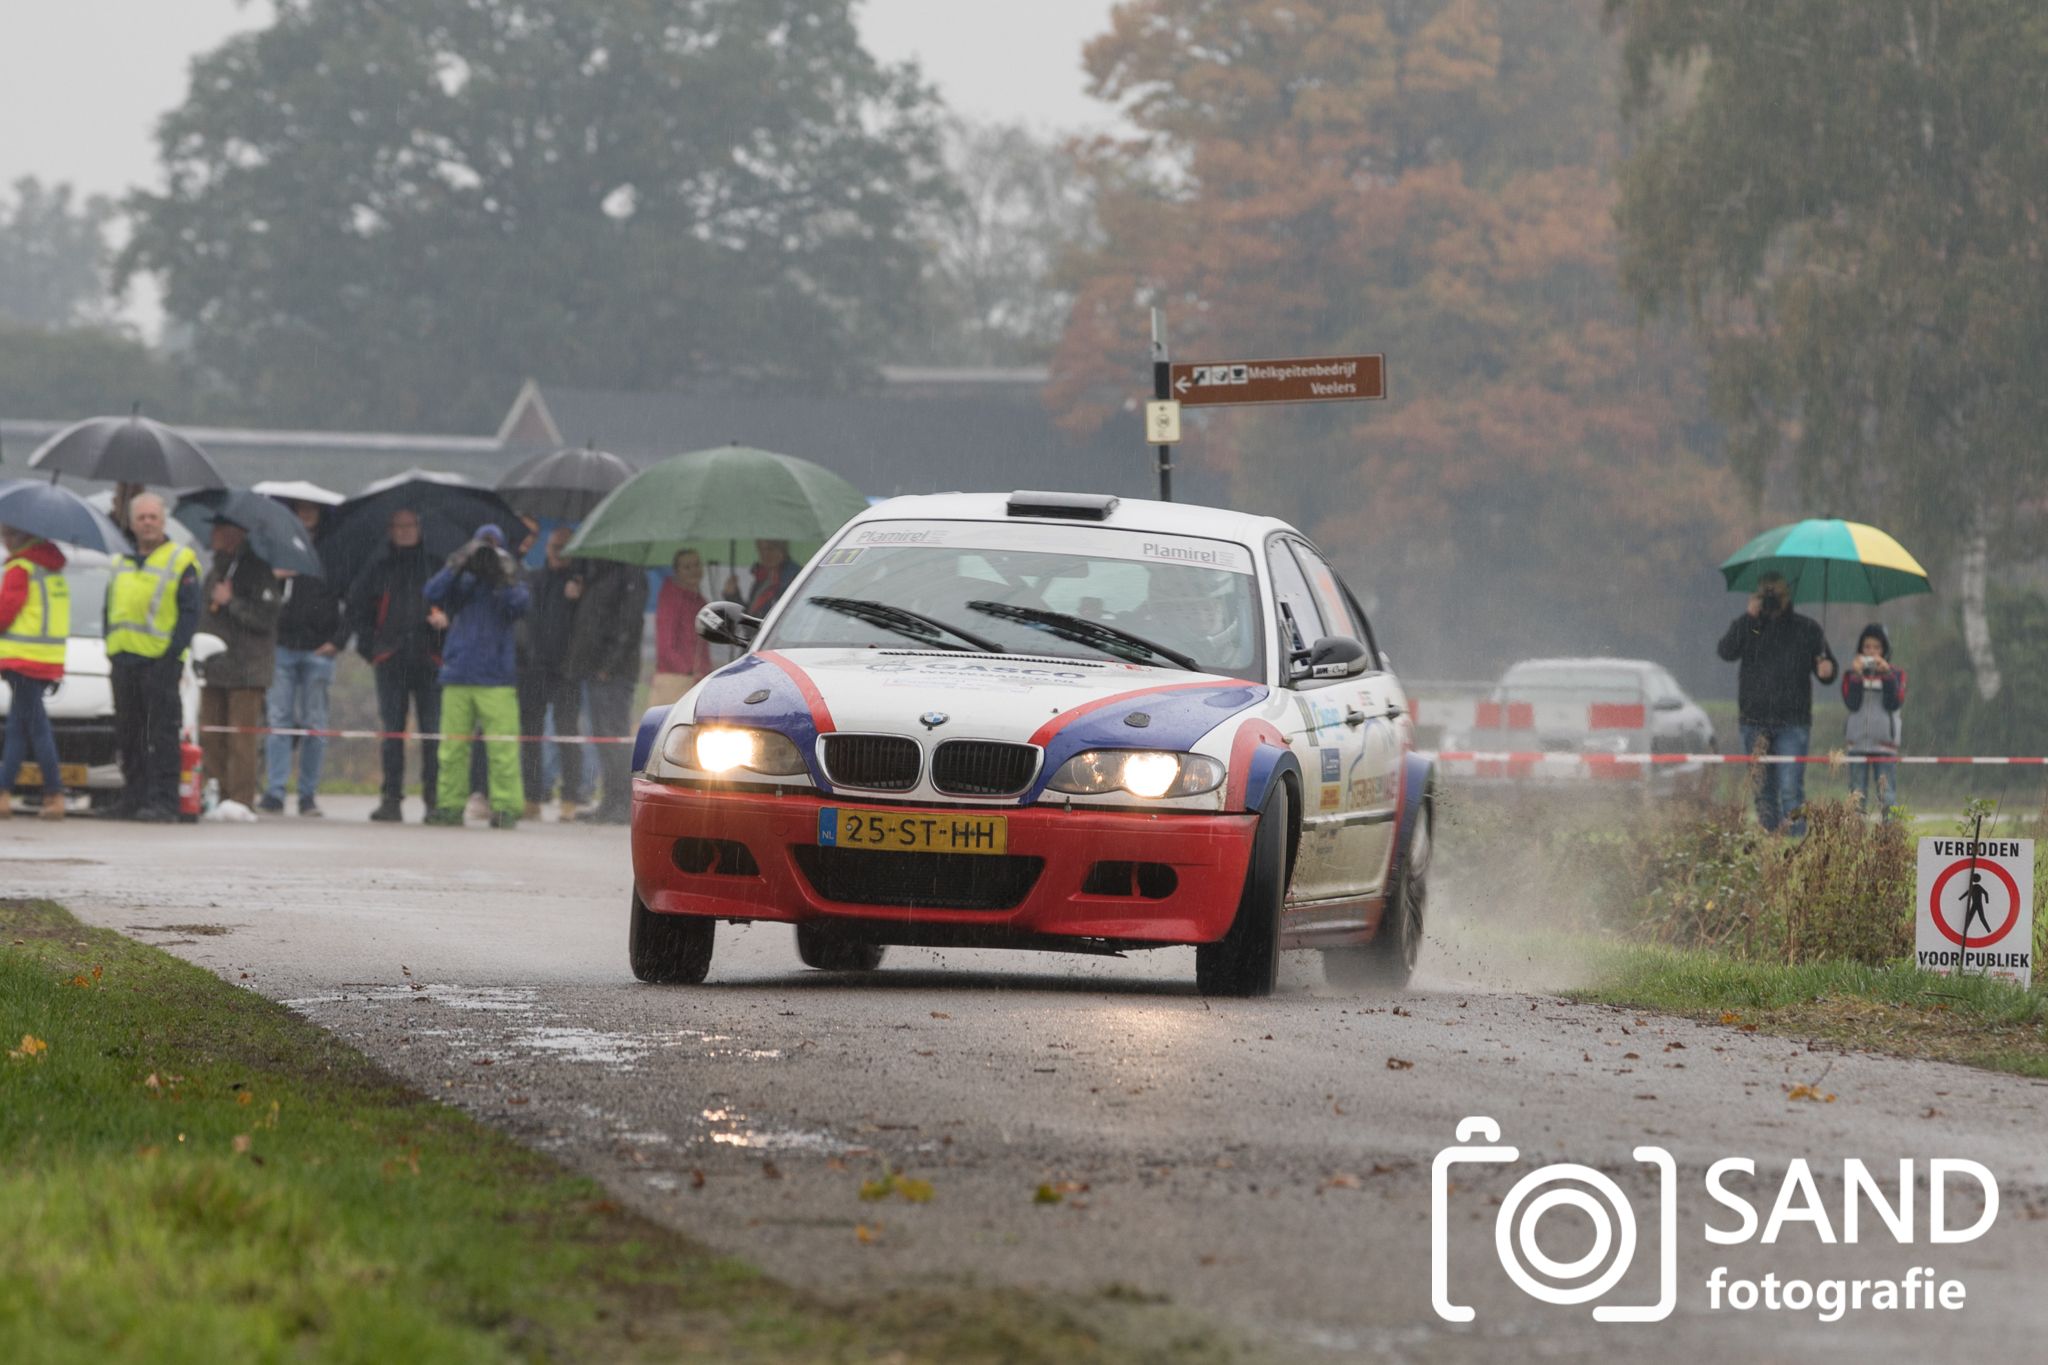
{"x": 1874, "y": 688}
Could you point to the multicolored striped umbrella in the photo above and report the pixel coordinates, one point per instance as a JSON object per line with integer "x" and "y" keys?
{"x": 1829, "y": 560}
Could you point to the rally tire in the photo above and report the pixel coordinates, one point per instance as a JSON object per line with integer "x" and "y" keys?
{"x": 824, "y": 948}
{"x": 1389, "y": 960}
{"x": 1246, "y": 960}
{"x": 669, "y": 950}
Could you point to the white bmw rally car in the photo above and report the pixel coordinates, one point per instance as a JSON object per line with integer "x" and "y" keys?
{"x": 1043, "y": 720}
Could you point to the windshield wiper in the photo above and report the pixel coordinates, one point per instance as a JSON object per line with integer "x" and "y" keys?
{"x": 1082, "y": 631}
{"x": 924, "y": 629}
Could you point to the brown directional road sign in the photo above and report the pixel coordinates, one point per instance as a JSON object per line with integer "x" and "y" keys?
{"x": 1314, "y": 379}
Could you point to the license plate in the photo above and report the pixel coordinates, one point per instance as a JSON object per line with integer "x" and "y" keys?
{"x": 912, "y": 831}
{"x": 70, "y": 774}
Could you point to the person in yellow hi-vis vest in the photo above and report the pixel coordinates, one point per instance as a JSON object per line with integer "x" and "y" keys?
{"x": 152, "y": 615}
{"x": 35, "y": 621}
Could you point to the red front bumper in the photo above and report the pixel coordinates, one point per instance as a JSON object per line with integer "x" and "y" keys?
{"x": 1207, "y": 853}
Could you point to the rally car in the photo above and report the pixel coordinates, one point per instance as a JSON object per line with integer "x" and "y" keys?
{"x": 1042, "y": 720}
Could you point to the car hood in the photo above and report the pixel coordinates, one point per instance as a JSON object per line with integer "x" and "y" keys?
{"x": 805, "y": 692}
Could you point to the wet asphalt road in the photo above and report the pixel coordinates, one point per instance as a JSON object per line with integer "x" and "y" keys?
{"x": 1264, "y": 1165}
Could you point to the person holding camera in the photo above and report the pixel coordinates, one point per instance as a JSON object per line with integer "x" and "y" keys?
{"x": 480, "y": 592}
{"x": 1779, "y": 652}
{"x": 1874, "y": 688}
{"x": 242, "y": 601}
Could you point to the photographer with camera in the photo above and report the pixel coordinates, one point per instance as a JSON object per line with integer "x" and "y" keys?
{"x": 482, "y": 596}
{"x": 1780, "y": 652}
{"x": 1874, "y": 688}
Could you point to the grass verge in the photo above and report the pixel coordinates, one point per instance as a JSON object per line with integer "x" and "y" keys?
{"x": 193, "y": 1173}
{"x": 1894, "y": 1009}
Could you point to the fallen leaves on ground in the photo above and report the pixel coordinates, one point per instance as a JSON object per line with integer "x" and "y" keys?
{"x": 1056, "y": 1191}
{"x": 1399, "y": 1064}
{"x": 85, "y": 981}
{"x": 31, "y": 1048}
{"x": 901, "y": 1186}
{"x": 1810, "y": 1093}
{"x": 866, "y": 1235}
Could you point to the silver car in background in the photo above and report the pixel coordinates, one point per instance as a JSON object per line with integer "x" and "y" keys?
{"x": 1579, "y": 710}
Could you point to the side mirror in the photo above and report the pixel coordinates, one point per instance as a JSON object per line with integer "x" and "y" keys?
{"x": 727, "y": 623}
{"x": 1669, "y": 704}
{"x": 1333, "y": 656}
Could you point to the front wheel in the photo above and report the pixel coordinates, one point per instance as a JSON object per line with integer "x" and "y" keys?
{"x": 821, "y": 947}
{"x": 669, "y": 950}
{"x": 1246, "y": 961}
{"x": 1389, "y": 960}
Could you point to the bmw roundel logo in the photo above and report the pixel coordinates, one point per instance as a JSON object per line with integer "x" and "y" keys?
{"x": 932, "y": 720}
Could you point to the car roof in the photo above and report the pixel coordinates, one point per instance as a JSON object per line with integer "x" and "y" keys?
{"x": 1130, "y": 514}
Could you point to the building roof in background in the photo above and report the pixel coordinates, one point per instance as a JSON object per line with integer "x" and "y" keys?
{"x": 923, "y": 430}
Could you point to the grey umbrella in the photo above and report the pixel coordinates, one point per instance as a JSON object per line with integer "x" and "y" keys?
{"x": 130, "y": 449}
{"x": 54, "y": 512}
{"x": 276, "y": 536}
{"x": 564, "y": 485}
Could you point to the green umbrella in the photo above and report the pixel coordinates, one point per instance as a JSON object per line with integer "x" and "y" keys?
{"x": 1828, "y": 560}
{"x": 710, "y": 499}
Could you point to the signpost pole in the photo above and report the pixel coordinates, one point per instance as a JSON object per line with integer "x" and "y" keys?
{"x": 1162, "y": 389}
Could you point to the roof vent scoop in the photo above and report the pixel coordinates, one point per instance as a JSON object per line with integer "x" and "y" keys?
{"x": 1066, "y": 506}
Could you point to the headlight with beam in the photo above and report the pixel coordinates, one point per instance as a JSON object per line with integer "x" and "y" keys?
{"x": 721, "y": 749}
{"x": 1147, "y": 773}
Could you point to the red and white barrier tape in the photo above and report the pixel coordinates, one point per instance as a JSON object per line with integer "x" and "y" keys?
{"x": 1516, "y": 757}
{"x": 408, "y": 734}
{"x": 1660, "y": 760}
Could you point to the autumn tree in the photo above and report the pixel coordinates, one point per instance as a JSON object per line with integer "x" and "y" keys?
{"x": 386, "y": 212}
{"x": 1426, "y": 178}
{"x": 1847, "y": 202}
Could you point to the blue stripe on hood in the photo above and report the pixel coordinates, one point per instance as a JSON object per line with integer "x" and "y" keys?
{"x": 723, "y": 700}
{"x": 1179, "y": 717}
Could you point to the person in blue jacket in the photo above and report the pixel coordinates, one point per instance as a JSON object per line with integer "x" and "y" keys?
{"x": 480, "y": 593}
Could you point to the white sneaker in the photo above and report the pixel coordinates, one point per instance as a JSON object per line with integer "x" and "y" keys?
{"x": 479, "y": 807}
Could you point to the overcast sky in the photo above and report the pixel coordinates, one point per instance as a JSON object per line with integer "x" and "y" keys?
{"x": 86, "y": 80}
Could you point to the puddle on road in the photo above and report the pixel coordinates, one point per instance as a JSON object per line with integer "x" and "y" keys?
{"x": 583, "y": 1045}
{"x": 490, "y": 999}
{"x": 729, "y": 1130}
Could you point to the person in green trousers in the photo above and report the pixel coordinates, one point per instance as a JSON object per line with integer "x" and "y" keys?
{"x": 480, "y": 593}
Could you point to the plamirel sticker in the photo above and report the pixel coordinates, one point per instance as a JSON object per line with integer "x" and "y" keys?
{"x": 1974, "y": 908}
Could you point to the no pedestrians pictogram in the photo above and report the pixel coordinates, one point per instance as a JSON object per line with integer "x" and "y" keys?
{"x": 1975, "y": 912}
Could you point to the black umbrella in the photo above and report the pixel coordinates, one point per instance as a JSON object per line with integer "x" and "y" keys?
{"x": 127, "y": 450}
{"x": 276, "y": 535}
{"x": 450, "y": 509}
{"x": 56, "y": 513}
{"x": 564, "y": 484}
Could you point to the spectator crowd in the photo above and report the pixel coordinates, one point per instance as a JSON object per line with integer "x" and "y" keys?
{"x": 483, "y": 650}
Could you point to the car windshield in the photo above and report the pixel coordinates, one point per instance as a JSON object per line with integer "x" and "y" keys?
{"x": 1027, "y": 588}
{"x": 1572, "y": 682}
